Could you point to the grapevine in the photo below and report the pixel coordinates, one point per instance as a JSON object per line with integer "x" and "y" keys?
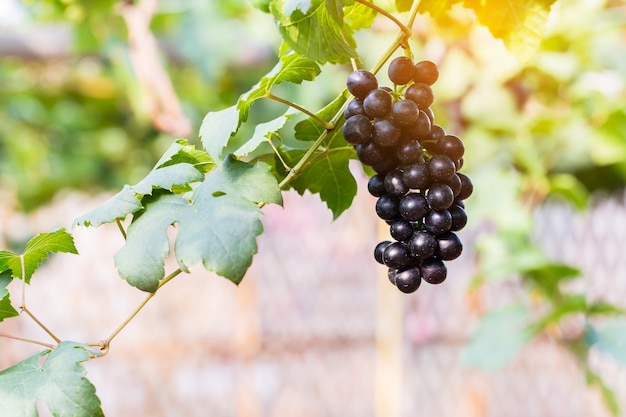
{"x": 419, "y": 187}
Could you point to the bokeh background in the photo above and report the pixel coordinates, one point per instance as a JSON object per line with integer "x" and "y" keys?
{"x": 92, "y": 93}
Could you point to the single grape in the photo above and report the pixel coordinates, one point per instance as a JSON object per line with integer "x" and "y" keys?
{"x": 396, "y": 255}
{"x": 436, "y": 133}
{"x": 401, "y": 70}
{"x": 455, "y": 184}
{"x": 451, "y": 146}
{"x": 449, "y": 246}
{"x": 416, "y": 176}
{"x": 369, "y": 153}
{"x": 379, "y": 249}
{"x": 423, "y": 244}
{"x": 459, "y": 217}
{"x": 426, "y": 72}
{"x": 401, "y": 230}
{"x": 466, "y": 187}
{"x": 421, "y": 94}
{"x": 433, "y": 271}
{"x": 394, "y": 184}
{"x": 387, "y": 207}
{"x": 354, "y": 107}
{"x": 357, "y": 129}
{"x": 405, "y": 112}
{"x": 388, "y": 162}
{"x": 438, "y": 222}
{"x": 409, "y": 152}
{"x": 361, "y": 82}
{"x": 408, "y": 279}
{"x": 377, "y": 103}
{"x": 440, "y": 196}
{"x": 386, "y": 133}
{"x": 376, "y": 185}
{"x": 391, "y": 274}
{"x": 413, "y": 207}
{"x": 441, "y": 168}
{"x": 430, "y": 114}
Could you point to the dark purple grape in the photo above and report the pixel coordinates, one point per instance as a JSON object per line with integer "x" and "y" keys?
{"x": 430, "y": 114}
{"x": 420, "y": 130}
{"x": 423, "y": 244}
{"x": 413, "y": 207}
{"x": 441, "y": 168}
{"x": 376, "y": 185}
{"x": 377, "y": 103}
{"x": 433, "y": 271}
{"x": 458, "y": 164}
{"x": 467, "y": 188}
{"x": 416, "y": 176}
{"x": 409, "y": 152}
{"x": 369, "y": 153}
{"x": 438, "y": 222}
{"x": 405, "y": 112}
{"x": 440, "y": 196}
{"x": 386, "y": 133}
{"x": 354, "y": 107}
{"x": 421, "y": 94}
{"x": 388, "y": 162}
{"x": 401, "y": 230}
{"x": 425, "y": 72}
{"x": 361, "y": 82}
{"x": 401, "y": 70}
{"x": 387, "y": 207}
{"x": 449, "y": 246}
{"x": 396, "y": 255}
{"x": 357, "y": 129}
{"x": 394, "y": 184}
{"x": 379, "y": 249}
{"x": 459, "y": 217}
{"x": 455, "y": 184}
{"x": 408, "y": 280}
{"x": 391, "y": 274}
{"x": 451, "y": 146}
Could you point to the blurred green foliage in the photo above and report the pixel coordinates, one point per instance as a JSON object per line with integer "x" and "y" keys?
{"x": 72, "y": 116}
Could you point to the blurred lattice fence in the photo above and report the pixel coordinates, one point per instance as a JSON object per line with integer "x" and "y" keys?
{"x": 299, "y": 336}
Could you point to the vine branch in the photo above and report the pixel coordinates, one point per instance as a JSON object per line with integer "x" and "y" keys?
{"x": 323, "y": 122}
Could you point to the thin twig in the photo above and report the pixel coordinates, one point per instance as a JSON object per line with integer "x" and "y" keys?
{"x": 23, "y": 339}
{"x": 121, "y": 227}
{"x": 26, "y": 310}
{"x": 328, "y": 126}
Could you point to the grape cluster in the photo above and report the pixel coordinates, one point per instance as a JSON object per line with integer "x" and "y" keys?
{"x": 419, "y": 187}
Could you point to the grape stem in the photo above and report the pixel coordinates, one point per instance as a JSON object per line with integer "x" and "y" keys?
{"x": 328, "y": 126}
{"x": 389, "y": 16}
{"x": 400, "y": 41}
{"x": 105, "y": 344}
{"x": 23, "y": 339}
{"x": 121, "y": 227}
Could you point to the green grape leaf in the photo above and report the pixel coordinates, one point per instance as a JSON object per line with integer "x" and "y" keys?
{"x": 292, "y": 5}
{"x": 216, "y": 228}
{"x": 310, "y": 129}
{"x": 359, "y": 16}
{"x": 262, "y": 133}
{"x": 404, "y": 5}
{"x": 519, "y": 23}
{"x": 6, "y": 309}
{"x": 179, "y": 166}
{"x": 498, "y": 337}
{"x": 292, "y": 68}
{"x": 36, "y": 251}
{"x": 329, "y": 176}
{"x": 217, "y": 128}
{"x": 59, "y": 382}
{"x": 315, "y": 33}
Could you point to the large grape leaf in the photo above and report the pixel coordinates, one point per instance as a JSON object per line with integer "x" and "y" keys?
{"x": 6, "y": 309}
{"x": 180, "y": 165}
{"x": 316, "y": 33}
{"x": 36, "y": 251}
{"x": 216, "y": 228}
{"x": 329, "y": 176}
{"x": 519, "y": 23}
{"x": 59, "y": 382}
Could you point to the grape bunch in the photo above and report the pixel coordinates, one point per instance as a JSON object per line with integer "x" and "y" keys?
{"x": 418, "y": 185}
